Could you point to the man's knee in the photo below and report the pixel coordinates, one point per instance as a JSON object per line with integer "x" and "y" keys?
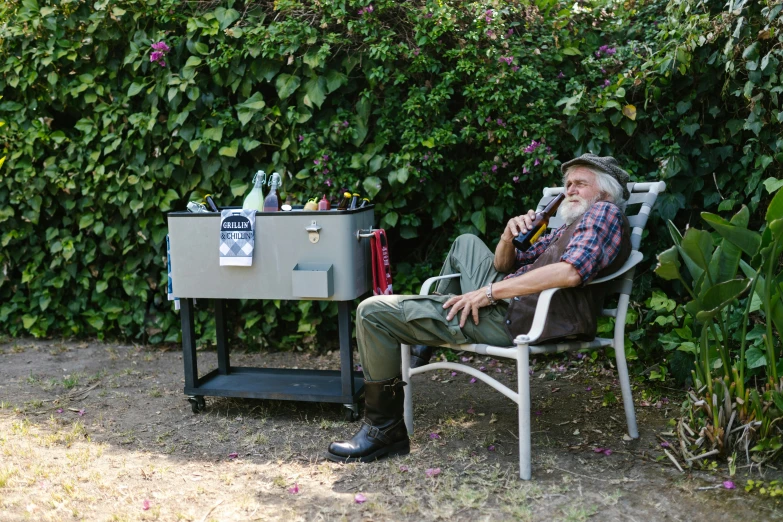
{"x": 467, "y": 240}
{"x": 373, "y": 305}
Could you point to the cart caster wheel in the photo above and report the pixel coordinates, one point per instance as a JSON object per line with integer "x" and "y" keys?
{"x": 197, "y": 404}
{"x": 351, "y": 412}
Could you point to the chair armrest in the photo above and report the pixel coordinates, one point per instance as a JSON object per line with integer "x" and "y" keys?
{"x": 633, "y": 260}
{"x": 425, "y": 287}
{"x": 539, "y": 318}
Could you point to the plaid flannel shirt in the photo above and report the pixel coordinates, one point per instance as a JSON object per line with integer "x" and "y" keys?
{"x": 594, "y": 245}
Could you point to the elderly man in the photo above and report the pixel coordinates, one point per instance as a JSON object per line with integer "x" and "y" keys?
{"x": 494, "y": 298}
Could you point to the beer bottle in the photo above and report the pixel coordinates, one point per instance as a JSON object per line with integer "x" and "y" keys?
{"x": 324, "y": 204}
{"x": 364, "y": 203}
{"x": 255, "y": 198}
{"x": 211, "y": 203}
{"x": 525, "y": 239}
{"x": 272, "y": 201}
{"x": 345, "y": 201}
{"x": 354, "y": 201}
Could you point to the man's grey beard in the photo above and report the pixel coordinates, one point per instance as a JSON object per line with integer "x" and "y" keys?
{"x": 569, "y": 212}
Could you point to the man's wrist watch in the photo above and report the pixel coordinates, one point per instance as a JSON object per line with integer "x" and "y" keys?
{"x": 491, "y": 299}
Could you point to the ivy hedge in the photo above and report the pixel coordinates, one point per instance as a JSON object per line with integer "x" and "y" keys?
{"x": 450, "y": 115}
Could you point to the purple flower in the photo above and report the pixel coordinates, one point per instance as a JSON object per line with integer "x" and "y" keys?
{"x": 453, "y": 374}
{"x": 491, "y": 448}
{"x": 536, "y": 163}
{"x": 515, "y": 68}
{"x": 359, "y": 498}
{"x": 59, "y": 410}
{"x": 328, "y": 182}
{"x": 325, "y": 157}
{"x": 316, "y": 162}
{"x": 425, "y": 157}
{"x": 729, "y": 484}
{"x": 537, "y": 412}
{"x": 607, "y": 83}
{"x": 427, "y": 15}
{"x": 494, "y": 168}
{"x": 532, "y": 147}
{"x": 472, "y": 380}
{"x": 293, "y": 490}
{"x": 500, "y": 122}
{"x": 598, "y": 54}
{"x": 482, "y": 368}
{"x": 233, "y": 455}
{"x": 345, "y": 123}
{"x": 507, "y": 59}
{"x": 145, "y": 505}
{"x": 505, "y": 164}
{"x": 665, "y": 444}
{"x": 326, "y": 171}
{"x": 161, "y": 46}
{"x": 81, "y": 412}
{"x": 416, "y": 52}
{"x": 301, "y": 138}
{"x": 561, "y": 75}
{"x": 488, "y": 15}
{"x": 498, "y": 370}
{"x": 510, "y": 32}
{"x": 155, "y": 56}
{"x": 432, "y": 472}
{"x": 489, "y": 33}
{"x": 470, "y": 411}
{"x": 404, "y": 469}
{"x": 434, "y": 436}
{"x": 589, "y": 388}
{"x": 524, "y": 170}
{"x": 603, "y": 70}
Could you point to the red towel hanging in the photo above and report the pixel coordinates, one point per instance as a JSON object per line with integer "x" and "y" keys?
{"x": 381, "y": 269}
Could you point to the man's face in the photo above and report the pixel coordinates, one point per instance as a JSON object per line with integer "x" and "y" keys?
{"x": 581, "y": 192}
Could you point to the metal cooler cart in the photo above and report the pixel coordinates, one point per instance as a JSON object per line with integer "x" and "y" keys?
{"x": 298, "y": 255}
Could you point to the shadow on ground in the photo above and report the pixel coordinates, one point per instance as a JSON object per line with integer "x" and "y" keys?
{"x": 99, "y": 431}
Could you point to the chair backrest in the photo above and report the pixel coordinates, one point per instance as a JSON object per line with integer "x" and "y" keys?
{"x": 643, "y": 196}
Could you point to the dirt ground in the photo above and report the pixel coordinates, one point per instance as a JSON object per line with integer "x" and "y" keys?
{"x": 94, "y": 431}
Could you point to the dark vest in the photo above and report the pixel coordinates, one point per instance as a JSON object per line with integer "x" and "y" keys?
{"x": 573, "y": 312}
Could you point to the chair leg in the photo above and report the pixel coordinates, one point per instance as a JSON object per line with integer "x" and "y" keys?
{"x": 406, "y": 377}
{"x": 523, "y": 380}
{"x": 622, "y": 367}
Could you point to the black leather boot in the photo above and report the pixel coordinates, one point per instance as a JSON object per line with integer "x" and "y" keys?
{"x": 420, "y": 355}
{"x": 383, "y": 429}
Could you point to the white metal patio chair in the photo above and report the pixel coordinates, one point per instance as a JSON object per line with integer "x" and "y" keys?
{"x": 643, "y": 194}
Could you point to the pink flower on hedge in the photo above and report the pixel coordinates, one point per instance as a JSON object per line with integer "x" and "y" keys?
{"x": 560, "y": 75}
{"x": 328, "y": 182}
{"x": 301, "y": 138}
{"x": 536, "y": 163}
{"x": 159, "y": 50}
{"x": 488, "y": 15}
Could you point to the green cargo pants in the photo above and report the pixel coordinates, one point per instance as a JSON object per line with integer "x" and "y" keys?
{"x": 383, "y": 322}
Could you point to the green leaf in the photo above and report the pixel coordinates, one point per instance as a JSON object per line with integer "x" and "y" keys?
{"x": 334, "y": 80}
{"x": 201, "y": 48}
{"x": 775, "y": 208}
{"x": 669, "y": 264}
{"x": 746, "y": 240}
{"x": 286, "y": 85}
{"x": 230, "y": 150}
{"x": 390, "y": 218}
{"x": 479, "y": 220}
{"x": 214, "y": 134}
{"x": 755, "y": 358}
{"x": 571, "y": 51}
{"x": 429, "y": 143}
{"x": 371, "y": 186}
{"x": 315, "y": 91}
{"x": 193, "y": 61}
{"x": 721, "y": 295}
{"x": 135, "y": 88}
{"x": 773, "y": 184}
{"x": 697, "y": 245}
{"x": 86, "y": 220}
